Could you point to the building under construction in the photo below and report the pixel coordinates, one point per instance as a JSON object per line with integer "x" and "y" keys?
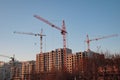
{"x": 56, "y": 59}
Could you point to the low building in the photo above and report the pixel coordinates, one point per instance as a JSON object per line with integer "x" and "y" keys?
{"x": 4, "y": 71}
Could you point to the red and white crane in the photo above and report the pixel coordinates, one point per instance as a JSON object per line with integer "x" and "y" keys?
{"x": 96, "y": 39}
{"x": 39, "y": 34}
{"x": 63, "y": 29}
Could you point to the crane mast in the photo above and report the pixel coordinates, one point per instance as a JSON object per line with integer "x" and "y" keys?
{"x": 64, "y": 35}
{"x": 96, "y": 39}
{"x": 63, "y": 30}
{"x": 41, "y": 37}
{"x": 88, "y": 43}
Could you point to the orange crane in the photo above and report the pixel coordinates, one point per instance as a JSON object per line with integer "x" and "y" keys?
{"x": 63, "y": 29}
{"x": 96, "y": 39}
{"x": 41, "y": 37}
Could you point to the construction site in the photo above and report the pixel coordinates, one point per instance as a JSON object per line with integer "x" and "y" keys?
{"x": 62, "y": 63}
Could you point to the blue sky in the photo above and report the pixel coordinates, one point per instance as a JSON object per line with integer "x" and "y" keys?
{"x": 96, "y": 18}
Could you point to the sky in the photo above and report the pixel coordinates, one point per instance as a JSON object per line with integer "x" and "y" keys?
{"x": 96, "y": 18}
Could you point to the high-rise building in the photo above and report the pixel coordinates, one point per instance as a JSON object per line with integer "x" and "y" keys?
{"x": 61, "y": 58}
{"x": 87, "y": 60}
{"x": 54, "y": 60}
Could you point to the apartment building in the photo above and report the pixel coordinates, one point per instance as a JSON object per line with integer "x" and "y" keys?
{"x": 15, "y": 70}
{"x": 28, "y": 70}
{"x": 55, "y": 59}
{"x": 4, "y": 71}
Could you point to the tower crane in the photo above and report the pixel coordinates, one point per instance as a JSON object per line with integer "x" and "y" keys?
{"x": 39, "y": 34}
{"x": 12, "y": 58}
{"x": 96, "y": 39}
{"x": 63, "y": 29}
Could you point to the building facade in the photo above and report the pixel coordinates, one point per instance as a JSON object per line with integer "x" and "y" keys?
{"x": 28, "y": 70}
{"x": 53, "y": 60}
{"x": 71, "y": 63}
